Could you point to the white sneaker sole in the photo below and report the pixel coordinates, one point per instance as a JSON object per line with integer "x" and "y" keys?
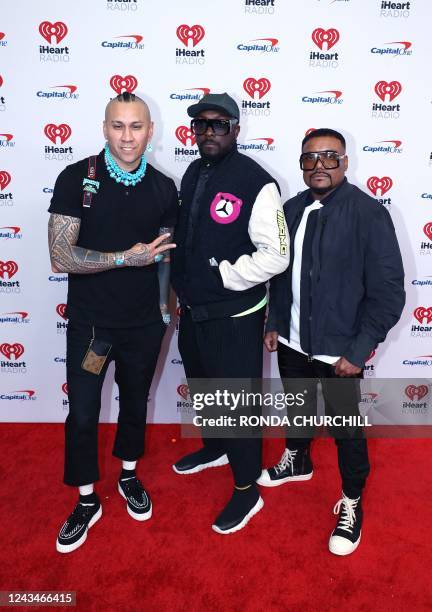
{"x": 136, "y": 515}
{"x": 258, "y": 506}
{"x": 67, "y": 548}
{"x": 223, "y": 460}
{"x": 334, "y": 542}
{"x": 265, "y": 481}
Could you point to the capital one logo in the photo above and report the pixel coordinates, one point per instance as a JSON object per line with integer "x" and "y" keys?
{"x": 62, "y": 132}
{"x": 5, "y": 179}
{"x": 61, "y": 310}
{"x": 128, "y": 83}
{"x": 428, "y": 230}
{"x": 256, "y": 88}
{"x": 325, "y": 38}
{"x": 8, "y": 269}
{"x": 392, "y": 90}
{"x": 185, "y": 135}
{"x": 183, "y": 391}
{"x": 194, "y": 33}
{"x": 376, "y": 184}
{"x": 423, "y": 315}
{"x": 57, "y": 30}
{"x": 12, "y": 350}
{"x": 416, "y": 393}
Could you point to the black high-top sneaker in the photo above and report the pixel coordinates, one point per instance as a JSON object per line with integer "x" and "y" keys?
{"x": 243, "y": 505}
{"x": 294, "y": 465}
{"x": 346, "y": 536}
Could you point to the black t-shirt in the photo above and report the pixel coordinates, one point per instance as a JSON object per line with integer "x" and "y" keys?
{"x": 117, "y": 219}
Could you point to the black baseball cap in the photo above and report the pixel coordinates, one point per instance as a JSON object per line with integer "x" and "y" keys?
{"x": 219, "y": 102}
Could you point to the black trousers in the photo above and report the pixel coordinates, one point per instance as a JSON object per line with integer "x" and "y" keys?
{"x": 341, "y": 396}
{"x": 135, "y": 352}
{"x": 231, "y": 347}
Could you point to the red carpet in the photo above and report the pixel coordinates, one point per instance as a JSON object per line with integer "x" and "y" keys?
{"x": 176, "y": 562}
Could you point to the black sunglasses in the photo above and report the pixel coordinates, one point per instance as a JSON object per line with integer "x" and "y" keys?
{"x": 329, "y": 159}
{"x": 220, "y": 127}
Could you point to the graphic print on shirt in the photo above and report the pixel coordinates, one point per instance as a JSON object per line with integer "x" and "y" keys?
{"x": 225, "y": 208}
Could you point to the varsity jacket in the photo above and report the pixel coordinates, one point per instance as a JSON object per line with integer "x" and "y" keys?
{"x": 356, "y": 276}
{"x": 238, "y": 239}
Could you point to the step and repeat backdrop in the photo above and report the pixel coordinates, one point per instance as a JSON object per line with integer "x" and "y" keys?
{"x": 358, "y": 66}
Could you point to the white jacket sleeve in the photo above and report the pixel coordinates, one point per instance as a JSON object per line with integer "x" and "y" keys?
{"x": 268, "y": 232}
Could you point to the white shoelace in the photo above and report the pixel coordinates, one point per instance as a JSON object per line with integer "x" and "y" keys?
{"x": 348, "y": 515}
{"x": 287, "y": 459}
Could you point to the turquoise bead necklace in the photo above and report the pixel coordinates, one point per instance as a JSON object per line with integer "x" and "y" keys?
{"x": 121, "y": 176}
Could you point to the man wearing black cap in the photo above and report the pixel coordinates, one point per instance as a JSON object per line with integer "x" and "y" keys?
{"x": 231, "y": 238}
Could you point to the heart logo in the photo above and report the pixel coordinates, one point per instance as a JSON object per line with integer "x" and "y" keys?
{"x": 61, "y": 310}
{"x": 371, "y": 356}
{"x": 421, "y": 313}
{"x": 413, "y": 392}
{"x": 62, "y": 132}
{"x": 8, "y": 269}
{"x": 184, "y": 134}
{"x": 256, "y": 88}
{"x": 5, "y": 179}
{"x": 65, "y": 388}
{"x": 325, "y": 37}
{"x": 392, "y": 89}
{"x": 428, "y": 230}
{"x": 12, "y": 350}
{"x": 194, "y": 33}
{"x": 183, "y": 391}
{"x": 127, "y": 83}
{"x": 57, "y": 30}
{"x": 382, "y": 184}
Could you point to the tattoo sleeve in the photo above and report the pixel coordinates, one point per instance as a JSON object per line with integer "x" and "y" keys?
{"x": 65, "y": 256}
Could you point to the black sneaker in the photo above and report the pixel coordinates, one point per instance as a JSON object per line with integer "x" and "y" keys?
{"x": 242, "y": 506}
{"x": 294, "y": 465}
{"x": 346, "y": 536}
{"x": 74, "y": 531}
{"x": 198, "y": 461}
{"x": 139, "y": 505}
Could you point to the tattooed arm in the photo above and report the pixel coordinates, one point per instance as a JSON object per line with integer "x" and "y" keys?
{"x": 66, "y": 256}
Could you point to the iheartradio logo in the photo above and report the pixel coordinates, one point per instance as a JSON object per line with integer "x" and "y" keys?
{"x": 256, "y": 88}
{"x": 62, "y": 132}
{"x": 1, "y": 80}
{"x": 194, "y": 33}
{"x": 5, "y": 179}
{"x": 423, "y": 315}
{"x": 428, "y": 230}
{"x": 185, "y": 135}
{"x": 183, "y": 391}
{"x": 416, "y": 393}
{"x": 64, "y": 388}
{"x": 12, "y": 350}
{"x": 392, "y": 90}
{"x": 371, "y": 356}
{"x": 376, "y": 184}
{"x": 61, "y": 310}
{"x": 325, "y": 39}
{"x": 8, "y": 269}
{"x": 128, "y": 83}
{"x": 57, "y": 30}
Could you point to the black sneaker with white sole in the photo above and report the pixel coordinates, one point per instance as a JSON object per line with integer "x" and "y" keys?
{"x": 74, "y": 531}
{"x": 198, "y": 461}
{"x": 294, "y": 465}
{"x": 138, "y": 505}
{"x": 346, "y": 536}
{"x": 242, "y": 506}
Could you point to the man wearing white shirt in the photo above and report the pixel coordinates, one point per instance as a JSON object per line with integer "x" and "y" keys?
{"x": 341, "y": 294}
